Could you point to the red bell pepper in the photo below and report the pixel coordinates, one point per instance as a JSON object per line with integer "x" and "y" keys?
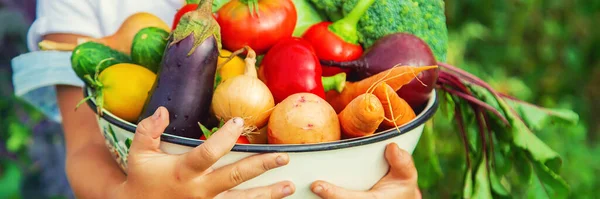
{"x": 338, "y": 41}
{"x": 291, "y": 67}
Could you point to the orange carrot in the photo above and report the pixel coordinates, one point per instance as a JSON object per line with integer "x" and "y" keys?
{"x": 395, "y": 77}
{"x": 396, "y": 109}
{"x": 362, "y": 116}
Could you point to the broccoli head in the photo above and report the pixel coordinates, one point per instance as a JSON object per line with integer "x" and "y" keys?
{"x": 423, "y": 18}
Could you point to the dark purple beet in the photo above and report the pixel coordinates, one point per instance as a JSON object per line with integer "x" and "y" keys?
{"x": 391, "y": 50}
{"x": 185, "y": 80}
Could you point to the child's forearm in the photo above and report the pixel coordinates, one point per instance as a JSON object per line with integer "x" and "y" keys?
{"x": 92, "y": 173}
{"x": 91, "y": 170}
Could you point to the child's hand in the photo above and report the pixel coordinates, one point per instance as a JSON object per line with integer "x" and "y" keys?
{"x": 155, "y": 174}
{"x": 399, "y": 183}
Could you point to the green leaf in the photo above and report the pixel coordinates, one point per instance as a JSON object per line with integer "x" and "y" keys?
{"x": 19, "y": 136}
{"x": 207, "y": 133}
{"x": 217, "y": 4}
{"x": 521, "y": 135}
{"x": 468, "y": 184}
{"x": 547, "y": 184}
{"x": 10, "y": 180}
{"x": 522, "y": 168}
{"x": 426, "y": 160}
{"x": 537, "y": 118}
{"x": 446, "y": 105}
{"x": 502, "y": 157}
{"x": 497, "y": 186}
{"x": 307, "y": 16}
{"x": 482, "y": 181}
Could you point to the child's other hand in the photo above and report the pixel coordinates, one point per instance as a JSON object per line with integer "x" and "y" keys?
{"x": 399, "y": 183}
{"x": 155, "y": 174}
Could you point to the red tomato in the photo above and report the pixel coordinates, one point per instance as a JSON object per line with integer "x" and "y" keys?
{"x": 241, "y": 139}
{"x": 186, "y": 8}
{"x": 329, "y": 46}
{"x": 241, "y": 26}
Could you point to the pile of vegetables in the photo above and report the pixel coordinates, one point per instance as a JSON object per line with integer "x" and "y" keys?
{"x": 298, "y": 77}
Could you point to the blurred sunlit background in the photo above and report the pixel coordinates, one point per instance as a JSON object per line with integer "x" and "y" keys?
{"x": 545, "y": 52}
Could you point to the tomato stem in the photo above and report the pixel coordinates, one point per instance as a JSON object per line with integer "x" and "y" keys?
{"x": 252, "y": 6}
{"x": 345, "y": 28}
{"x": 336, "y": 82}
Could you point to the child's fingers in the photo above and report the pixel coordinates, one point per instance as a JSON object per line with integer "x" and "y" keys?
{"x": 326, "y": 190}
{"x": 148, "y": 131}
{"x": 274, "y": 191}
{"x": 236, "y": 173}
{"x": 401, "y": 163}
{"x": 219, "y": 144}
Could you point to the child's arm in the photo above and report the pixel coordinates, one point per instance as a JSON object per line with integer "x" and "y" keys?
{"x": 91, "y": 170}
{"x": 93, "y": 173}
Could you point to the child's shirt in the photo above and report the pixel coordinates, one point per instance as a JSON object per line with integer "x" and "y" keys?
{"x": 35, "y": 74}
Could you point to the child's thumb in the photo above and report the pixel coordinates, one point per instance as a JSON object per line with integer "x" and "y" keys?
{"x": 148, "y": 131}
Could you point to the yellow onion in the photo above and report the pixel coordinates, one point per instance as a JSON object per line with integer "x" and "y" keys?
{"x": 244, "y": 96}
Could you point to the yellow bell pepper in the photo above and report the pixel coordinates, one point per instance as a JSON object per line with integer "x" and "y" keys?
{"x": 234, "y": 67}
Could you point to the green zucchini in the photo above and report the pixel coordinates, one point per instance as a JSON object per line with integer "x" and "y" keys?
{"x": 148, "y": 47}
{"x": 88, "y": 56}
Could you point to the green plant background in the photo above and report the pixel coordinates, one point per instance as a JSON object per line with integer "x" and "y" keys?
{"x": 544, "y": 52}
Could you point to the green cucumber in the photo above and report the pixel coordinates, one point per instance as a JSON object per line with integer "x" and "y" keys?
{"x": 89, "y": 56}
{"x": 148, "y": 47}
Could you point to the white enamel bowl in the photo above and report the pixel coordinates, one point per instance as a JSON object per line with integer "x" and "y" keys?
{"x": 354, "y": 163}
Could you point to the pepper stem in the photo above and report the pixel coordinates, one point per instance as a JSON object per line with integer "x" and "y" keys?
{"x": 345, "y": 28}
{"x": 336, "y": 82}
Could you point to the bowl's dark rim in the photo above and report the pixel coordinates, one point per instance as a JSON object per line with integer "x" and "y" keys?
{"x": 269, "y": 148}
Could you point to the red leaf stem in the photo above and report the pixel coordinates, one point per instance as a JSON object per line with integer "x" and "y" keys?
{"x": 478, "y": 102}
{"x": 461, "y": 128}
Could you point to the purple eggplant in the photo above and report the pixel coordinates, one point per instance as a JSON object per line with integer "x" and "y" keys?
{"x": 391, "y": 50}
{"x": 185, "y": 79}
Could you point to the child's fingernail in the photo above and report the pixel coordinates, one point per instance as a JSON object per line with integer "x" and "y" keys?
{"x": 281, "y": 160}
{"x": 156, "y": 114}
{"x": 287, "y": 190}
{"x": 318, "y": 189}
{"x": 238, "y": 121}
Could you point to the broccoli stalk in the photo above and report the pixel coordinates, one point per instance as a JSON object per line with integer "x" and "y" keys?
{"x": 346, "y": 27}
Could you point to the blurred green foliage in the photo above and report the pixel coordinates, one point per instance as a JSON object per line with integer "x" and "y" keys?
{"x": 545, "y": 52}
